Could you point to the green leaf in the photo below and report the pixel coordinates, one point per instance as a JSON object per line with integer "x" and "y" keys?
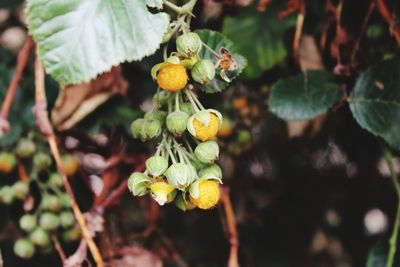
{"x": 378, "y": 253}
{"x": 216, "y": 41}
{"x": 78, "y": 39}
{"x": 375, "y": 100}
{"x": 259, "y": 37}
{"x": 304, "y": 96}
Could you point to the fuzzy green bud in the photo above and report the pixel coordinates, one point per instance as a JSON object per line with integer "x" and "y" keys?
{"x": 207, "y": 152}
{"x": 41, "y": 161}
{"x": 158, "y": 115}
{"x": 177, "y": 121}
{"x": 20, "y": 189}
{"x": 181, "y": 175}
{"x": 156, "y": 165}
{"x": 40, "y": 237}
{"x": 188, "y": 44}
{"x": 55, "y": 180}
{"x": 67, "y": 219}
{"x": 151, "y": 129}
{"x": 137, "y": 184}
{"x": 28, "y": 222}
{"x": 24, "y": 248}
{"x": 49, "y": 221}
{"x": 203, "y": 71}
{"x": 25, "y": 148}
{"x": 51, "y": 202}
{"x": 6, "y": 195}
{"x": 136, "y": 128}
{"x": 212, "y": 171}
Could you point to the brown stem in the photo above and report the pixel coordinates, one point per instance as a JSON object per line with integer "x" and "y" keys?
{"x": 43, "y": 123}
{"x": 22, "y": 60}
{"x": 299, "y": 29}
{"x": 394, "y": 29}
{"x": 23, "y": 176}
{"x": 58, "y": 247}
{"x": 232, "y": 229}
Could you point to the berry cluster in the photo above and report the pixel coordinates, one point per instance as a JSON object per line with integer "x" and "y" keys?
{"x": 47, "y": 209}
{"x": 183, "y": 168}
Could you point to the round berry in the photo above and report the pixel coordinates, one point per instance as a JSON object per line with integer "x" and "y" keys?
{"x": 70, "y": 164}
{"x": 67, "y": 219}
{"x": 41, "y": 161}
{"x": 28, "y": 222}
{"x": 49, "y": 221}
{"x": 55, "y": 180}
{"x": 25, "y": 148}
{"x": 24, "y": 248}
{"x": 204, "y": 125}
{"x": 172, "y": 77}
{"x": 40, "y": 237}
{"x": 208, "y": 195}
{"x": 7, "y": 162}
{"x": 51, "y": 202}
{"x": 21, "y": 189}
{"x": 6, "y": 195}
{"x": 72, "y": 234}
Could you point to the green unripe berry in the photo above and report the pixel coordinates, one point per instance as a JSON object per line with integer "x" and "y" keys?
{"x": 137, "y": 184}
{"x": 136, "y": 128}
{"x": 71, "y": 235}
{"x": 28, "y": 222}
{"x": 51, "y": 202}
{"x": 49, "y": 221}
{"x": 65, "y": 202}
{"x": 41, "y": 161}
{"x": 24, "y": 248}
{"x": 187, "y": 108}
{"x": 40, "y": 237}
{"x": 181, "y": 175}
{"x": 212, "y": 171}
{"x": 177, "y": 121}
{"x": 67, "y": 219}
{"x": 157, "y": 115}
{"x": 55, "y": 180}
{"x": 188, "y": 44}
{"x": 207, "y": 152}
{"x": 6, "y": 195}
{"x": 151, "y": 129}
{"x": 203, "y": 71}
{"x": 156, "y": 165}
{"x": 25, "y": 148}
{"x": 243, "y": 137}
{"x": 21, "y": 189}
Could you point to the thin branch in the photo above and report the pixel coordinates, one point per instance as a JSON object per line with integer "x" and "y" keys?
{"x": 58, "y": 247}
{"x": 395, "y": 232}
{"x": 22, "y": 60}
{"x": 299, "y": 30}
{"x": 43, "y": 123}
{"x": 393, "y": 27}
{"x": 232, "y": 229}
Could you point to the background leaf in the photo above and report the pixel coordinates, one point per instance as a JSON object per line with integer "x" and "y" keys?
{"x": 80, "y": 39}
{"x": 304, "y": 96}
{"x": 216, "y": 41}
{"x": 375, "y": 100}
{"x": 259, "y": 37}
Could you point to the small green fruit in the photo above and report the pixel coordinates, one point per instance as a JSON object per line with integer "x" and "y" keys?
{"x": 207, "y": 152}
{"x": 181, "y": 175}
{"x": 25, "y": 148}
{"x": 41, "y": 161}
{"x": 188, "y": 44}
{"x": 187, "y": 108}
{"x": 65, "y": 202}
{"x": 28, "y": 222}
{"x": 177, "y": 121}
{"x": 51, "y": 202}
{"x": 6, "y": 195}
{"x": 67, "y": 219}
{"x": 203, "y": 71}
{"x": 55, "y": 180}
{"x": 21, "y": 189}
{"x": 158, "y": 115}
{"x": 24, "y": 248}
{"x": 137, "y": 184}
{"x": 156, "y": 165}
{"x": 40, "y": 237}
{"x": 49, "y": 221}
{"x": 7, "y": 162}
{"x": 212, "y": 171}
{"x": 71, "y": 235}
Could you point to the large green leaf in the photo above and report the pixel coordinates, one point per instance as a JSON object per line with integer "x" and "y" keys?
{"x": 216, "y": 41}
{"x": 375, "y": 100}
{"x": 377, "y": 255}
{"x": 304, "y": 96}
{"x": 78, "y": 39}
{"x": 259, "y": 37}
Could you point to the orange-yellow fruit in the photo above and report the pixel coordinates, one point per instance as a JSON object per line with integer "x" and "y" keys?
{"x": 239, "y": 103}
{"x": 70, "y": 164}
{"x": 172, "y": 77}
{"x": 7, "y": 162}
{"x": 209, "y": 194}
{"x": 208, "y": 132}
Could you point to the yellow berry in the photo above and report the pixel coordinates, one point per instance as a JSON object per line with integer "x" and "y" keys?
{"x": 161, "y": 191}
{"x": 70, "y": 164}
{"x": 209, "y": 194}
{"x": 208, "y": 132}
{"x": 172, "y": 77}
